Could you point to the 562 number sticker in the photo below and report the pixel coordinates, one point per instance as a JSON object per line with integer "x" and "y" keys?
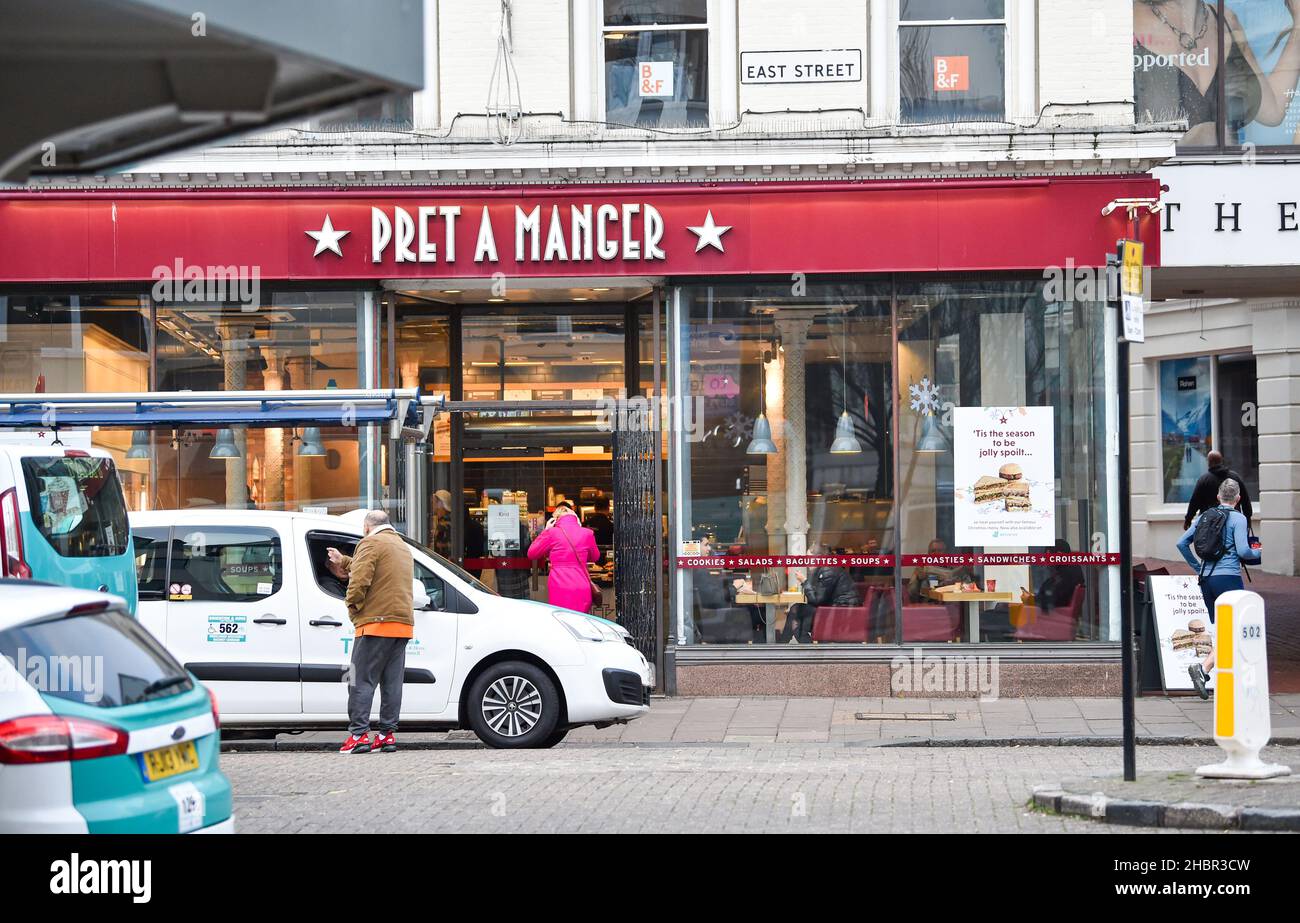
{"x": 227, "y": 628}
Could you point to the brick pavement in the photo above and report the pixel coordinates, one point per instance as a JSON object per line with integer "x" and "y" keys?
{"x": 777, "y": 720}
{"x": 741, "y": 788}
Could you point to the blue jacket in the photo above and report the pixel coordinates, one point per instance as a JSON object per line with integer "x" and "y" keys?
{"x": 1236, "y": 536}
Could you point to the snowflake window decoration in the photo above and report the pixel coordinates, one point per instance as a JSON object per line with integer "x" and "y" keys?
{"x": 925, "y": 397}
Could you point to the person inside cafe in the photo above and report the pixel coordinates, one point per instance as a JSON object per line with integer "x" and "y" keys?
{"x": 824, "y": 586}
{"x": 933, "y": 575}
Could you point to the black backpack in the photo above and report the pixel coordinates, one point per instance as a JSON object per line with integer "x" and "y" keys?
{"x": 1208, "y": 539}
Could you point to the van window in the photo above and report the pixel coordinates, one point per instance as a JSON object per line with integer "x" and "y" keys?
{"x": 106, "y": 659}
{"x": 225, "y": 564}
{"x": 77, "y": 505}
{"x": 151, "y": 561}
{"x": 332, "y": 583}
{"x": 336, "y": 584}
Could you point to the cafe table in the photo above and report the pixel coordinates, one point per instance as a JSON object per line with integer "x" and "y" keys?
{"x": 971, "y": 599}
{"x": 769, "y": 601}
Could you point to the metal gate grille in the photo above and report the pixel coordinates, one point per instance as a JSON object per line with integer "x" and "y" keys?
{"x": 636, "y": 538}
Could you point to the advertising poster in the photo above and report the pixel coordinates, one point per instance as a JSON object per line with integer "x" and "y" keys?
{"x": 1177, "y": 69}
{"x": 1004, "y": 476}
{"x": 1183, "y": 628}
{"x": 1185, "y": 424}
{"x": 503, "y": 529}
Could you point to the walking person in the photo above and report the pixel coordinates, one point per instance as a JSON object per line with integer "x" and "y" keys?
{"x": 1220, "y": 537}
{"x": 569, "y": 548}
{"x": 1205, "y": 493}
{"x": 381, "y": 604}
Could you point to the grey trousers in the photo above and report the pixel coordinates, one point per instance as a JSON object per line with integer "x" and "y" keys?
{"x": 376, "y": 662}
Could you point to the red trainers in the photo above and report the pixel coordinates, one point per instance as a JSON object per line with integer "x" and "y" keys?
{"x": 385, "y": 742}
{"x": 356, "y": 744}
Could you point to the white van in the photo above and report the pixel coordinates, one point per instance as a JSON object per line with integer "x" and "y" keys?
{"x": 244, "y": 599}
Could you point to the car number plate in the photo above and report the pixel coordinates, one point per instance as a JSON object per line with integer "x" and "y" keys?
{"x": 173, "y": 760}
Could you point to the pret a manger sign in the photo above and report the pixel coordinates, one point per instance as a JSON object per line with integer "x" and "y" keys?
{"x": 577, "y": 233}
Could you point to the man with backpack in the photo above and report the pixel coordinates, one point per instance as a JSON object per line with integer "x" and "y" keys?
{"x": 1220, "y": 537}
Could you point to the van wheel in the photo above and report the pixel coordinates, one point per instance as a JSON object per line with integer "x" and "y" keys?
{"x": 514, "y": 705}
{"x": 556, "y": 736}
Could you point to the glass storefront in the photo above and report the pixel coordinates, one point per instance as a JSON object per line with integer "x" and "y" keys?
{"x": 785, "y": 445}
{"x": 829, "y": 473}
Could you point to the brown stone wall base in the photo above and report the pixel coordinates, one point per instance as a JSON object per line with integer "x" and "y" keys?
{"x": 1015, "y": 680}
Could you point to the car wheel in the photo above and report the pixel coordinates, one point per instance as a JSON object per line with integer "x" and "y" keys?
{"x": 556, "y": 737}
{"x": 514, "y": 705}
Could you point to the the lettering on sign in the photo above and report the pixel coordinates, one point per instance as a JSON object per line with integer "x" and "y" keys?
{"x": 951, "y": 73}
{"x": 576, "y": 234}
{"x": 655, "y": 78}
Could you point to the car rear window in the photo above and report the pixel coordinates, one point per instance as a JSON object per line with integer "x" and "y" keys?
{"x": 77, "y": 504}
{"x": 106, "y": 659}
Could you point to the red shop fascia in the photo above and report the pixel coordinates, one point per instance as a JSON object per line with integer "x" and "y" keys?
{"x": 603, "y": 231}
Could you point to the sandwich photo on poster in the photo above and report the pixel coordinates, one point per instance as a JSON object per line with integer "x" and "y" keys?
{"x": 1004, "y": 476}
{"x": 1182, "y": 627}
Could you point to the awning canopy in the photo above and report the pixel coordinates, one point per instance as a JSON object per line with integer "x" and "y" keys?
{"x": 407, "y": 412}
{"x": 99, "y": 83}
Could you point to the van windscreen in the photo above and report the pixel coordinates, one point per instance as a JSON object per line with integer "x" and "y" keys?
{"x": 77, "y": 504}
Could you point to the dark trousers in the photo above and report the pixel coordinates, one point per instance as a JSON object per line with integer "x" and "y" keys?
{"x": 376, "y": 662}
{"x": 1213, "y": 587}
{"x": 800, "y": 615}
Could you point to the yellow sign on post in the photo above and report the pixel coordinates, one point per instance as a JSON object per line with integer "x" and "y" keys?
{"x": 1132, "y": 293}
{"x": 1242, "y": 725}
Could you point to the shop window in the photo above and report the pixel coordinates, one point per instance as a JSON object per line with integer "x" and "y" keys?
{"x": 952, "y": 60}
{"x": 1207, "y": 403}
{"x": 1186, "y": 424}
{"x": 225, "y": 564}
{"x": 998, "y": 460}
{"x": 286, "y": 341}
{"x": 784, "y": 434}
{"x": 656, "y": 63}
{"x": 62, "y": 342}
{"x": 1229, "y": 68}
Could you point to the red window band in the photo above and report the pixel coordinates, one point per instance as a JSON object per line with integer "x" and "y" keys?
{"x": 1044, "y": 559}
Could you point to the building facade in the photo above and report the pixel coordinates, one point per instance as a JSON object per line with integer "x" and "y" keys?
{"x": 766, "y": 295}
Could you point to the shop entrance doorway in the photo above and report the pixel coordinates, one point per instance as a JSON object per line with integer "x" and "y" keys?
{"x": 535, "y": 379}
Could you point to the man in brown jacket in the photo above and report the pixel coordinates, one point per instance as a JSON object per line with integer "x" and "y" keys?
{"x": 380, "y": 601}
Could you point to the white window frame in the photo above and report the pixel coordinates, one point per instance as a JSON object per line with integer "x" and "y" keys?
{"x": 588, "y": 66}
{"x": 1020, "y": 91}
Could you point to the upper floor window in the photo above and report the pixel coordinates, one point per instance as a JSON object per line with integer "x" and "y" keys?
{"x": 656, "y": 62}
{"x": 1228, "y": 67}
{"x": 952, "y": 60}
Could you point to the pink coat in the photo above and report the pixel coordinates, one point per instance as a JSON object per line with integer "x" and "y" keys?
{"x": 568, "y": 585}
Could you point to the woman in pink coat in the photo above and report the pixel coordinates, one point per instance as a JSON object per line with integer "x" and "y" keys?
{"x": 569, "y": 548}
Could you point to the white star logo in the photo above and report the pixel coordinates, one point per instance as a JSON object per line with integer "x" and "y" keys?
{"x": 327, "y": 238}
{"x": 709, "y": 234}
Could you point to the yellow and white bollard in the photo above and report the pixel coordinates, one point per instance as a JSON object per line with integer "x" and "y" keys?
{"x": 1242, "y": 725}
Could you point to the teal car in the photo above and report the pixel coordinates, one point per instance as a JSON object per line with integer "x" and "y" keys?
{"x": 101, "y": 730}
{"x": 63, "y": 520}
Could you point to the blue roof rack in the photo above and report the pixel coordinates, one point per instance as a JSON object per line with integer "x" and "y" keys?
{"x": 407, "y": 412}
